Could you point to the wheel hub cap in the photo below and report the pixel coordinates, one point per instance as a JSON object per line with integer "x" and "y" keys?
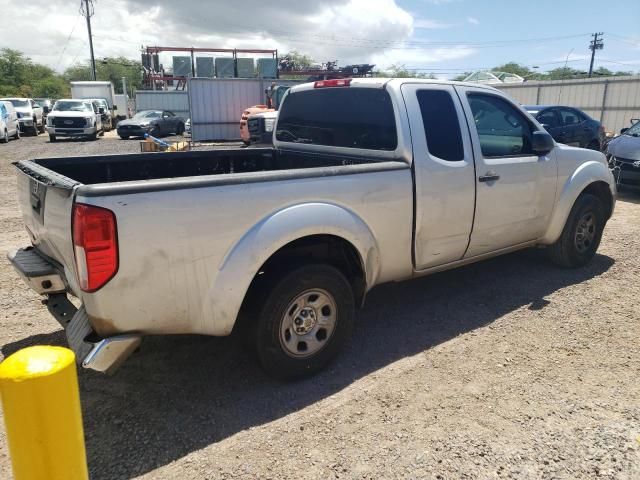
{"x": 586, "y": 232}
{"x": 308, "y": 323}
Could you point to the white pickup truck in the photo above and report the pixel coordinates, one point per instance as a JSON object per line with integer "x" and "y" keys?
{"x": 369, "y": 181}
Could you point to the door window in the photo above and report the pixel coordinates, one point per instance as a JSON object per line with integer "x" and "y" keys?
{"x": 441, "y": 124}
{"x": 503, "y": 130}
{"x": 569, "y": 117}
{"x": 548, "y": 118}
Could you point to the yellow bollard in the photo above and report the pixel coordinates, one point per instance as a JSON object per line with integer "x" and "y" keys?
{"x": 41, "y": 404}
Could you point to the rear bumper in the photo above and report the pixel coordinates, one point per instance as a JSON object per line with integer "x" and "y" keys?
{"x": 45, "y": 277}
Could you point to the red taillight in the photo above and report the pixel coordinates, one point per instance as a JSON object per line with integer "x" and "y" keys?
{"x": 342, "y": 82}
{"x": 95, "y": 242}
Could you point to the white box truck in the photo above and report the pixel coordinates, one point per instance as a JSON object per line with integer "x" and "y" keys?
{"x": 97, "y": 90}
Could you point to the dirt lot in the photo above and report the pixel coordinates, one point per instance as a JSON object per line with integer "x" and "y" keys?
{"x": 510, "y": 368}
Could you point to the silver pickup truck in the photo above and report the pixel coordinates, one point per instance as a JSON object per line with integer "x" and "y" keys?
{"x": 369, "y": 181}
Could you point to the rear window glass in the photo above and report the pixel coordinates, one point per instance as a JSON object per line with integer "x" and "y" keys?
{"x": 441, "y": 125}
{"x": 339, "y": 117}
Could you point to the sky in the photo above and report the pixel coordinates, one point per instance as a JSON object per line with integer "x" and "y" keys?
{"x": 444, "y": 37}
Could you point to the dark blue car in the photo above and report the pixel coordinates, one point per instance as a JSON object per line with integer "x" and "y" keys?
{"x": 569, "y": 125}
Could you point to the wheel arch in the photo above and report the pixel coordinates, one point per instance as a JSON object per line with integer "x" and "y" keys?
{"x": 591, "y": 177}
{"x": 318, "y": 232}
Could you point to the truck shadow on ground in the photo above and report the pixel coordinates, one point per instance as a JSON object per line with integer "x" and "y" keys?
{"x": 180, "y": 394}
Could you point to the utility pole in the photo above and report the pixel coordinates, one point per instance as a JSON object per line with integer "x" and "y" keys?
{"x": 595, "y": 44}
{"x": 86, "y": 8}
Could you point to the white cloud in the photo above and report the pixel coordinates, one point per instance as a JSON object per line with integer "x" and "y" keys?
{"x": 421, "y": 58}
{"x": 352, "y": 31}
{"x": 473, "y": 21}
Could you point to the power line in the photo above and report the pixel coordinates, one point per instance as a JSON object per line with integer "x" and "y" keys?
{"x": 67, "y": 42}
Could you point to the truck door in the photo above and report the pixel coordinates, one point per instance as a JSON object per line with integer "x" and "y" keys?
{"x": 444, "y": 174}
{"x": 516, "y": 188}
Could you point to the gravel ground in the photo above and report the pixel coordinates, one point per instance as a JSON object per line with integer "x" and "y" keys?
{"x": 510, "y": 368}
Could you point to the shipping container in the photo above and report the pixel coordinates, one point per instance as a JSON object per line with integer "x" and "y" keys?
{"x": 217, "y": 105}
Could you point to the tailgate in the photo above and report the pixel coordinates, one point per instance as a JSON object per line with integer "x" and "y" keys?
{"x": 46, "y": 202}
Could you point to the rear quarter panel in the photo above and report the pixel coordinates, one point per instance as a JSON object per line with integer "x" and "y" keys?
{"x": 188, "y": 256}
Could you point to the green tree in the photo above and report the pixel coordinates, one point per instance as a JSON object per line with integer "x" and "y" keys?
{"x": 401, "y": 71}
{"x": 514, "y": 67}
{"x": 110, "y": 69}
{"x": 19, "y": 76}
{"x": 295, "y": 60}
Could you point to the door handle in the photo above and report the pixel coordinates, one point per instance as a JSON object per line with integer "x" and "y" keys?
{"x": 489, "y": 177}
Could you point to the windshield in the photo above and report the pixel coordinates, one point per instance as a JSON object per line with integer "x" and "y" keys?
{"x": 71, "y": 106}
{"x": 20, "y": 103}
{"x": 147, "y": 114}
{"x": 101, "y": 102}
{"x": 634, "y": 131}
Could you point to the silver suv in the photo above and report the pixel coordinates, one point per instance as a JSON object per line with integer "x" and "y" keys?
{"x": 29, "y": 113}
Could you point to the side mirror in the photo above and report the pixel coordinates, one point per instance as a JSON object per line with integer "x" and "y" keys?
{"x": 622, "y": 130}
{"x": 45, "y": 109}
{"x": 101, "y": 110}
{"x": 542, "y": 143}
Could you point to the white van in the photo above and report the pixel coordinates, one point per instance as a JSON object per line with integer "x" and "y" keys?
{"x": 9, "y": 126}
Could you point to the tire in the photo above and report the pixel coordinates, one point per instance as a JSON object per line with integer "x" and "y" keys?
{"x": 42, "y": 126}
{"x": 17, "y": 135}
{"x": 287, "y": 354}
{"x": 124, "y": 137}
{"x": 5, "y": 139}
{"x": 594, "y": 145}
{"x": 52, "y": 138}
{"x": 180, "y": 129}
{"x": 102, "y": 132}
{"x": 581, "y": 235}
{"x": 34, "y": 129}
{"x": 93, "y": 136}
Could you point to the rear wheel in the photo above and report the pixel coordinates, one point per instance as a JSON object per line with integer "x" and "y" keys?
{"x": 5, "y": 139}
{"x": 304, "y": 321}
{"x": 582, "y": 233}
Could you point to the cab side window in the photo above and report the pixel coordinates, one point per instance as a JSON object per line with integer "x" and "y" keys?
{"x": 441, "y": 125}
{"x": 503, "y": 130}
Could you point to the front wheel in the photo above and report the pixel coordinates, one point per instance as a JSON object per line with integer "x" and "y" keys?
{"x": 34, "y": 128}
{"x": 42, "y": 126}
{"x": 124, "y": 137}
{"x": 17, "y": 135}
{"x": 582, "y": 233}
{"x": 180, "y": 129}
{"x": 304, "y": 322}
{"x": 5, "y": 139}
{"x": 52, "y": 138}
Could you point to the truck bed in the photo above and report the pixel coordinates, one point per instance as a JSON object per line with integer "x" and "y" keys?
{"x": 151, "y": 166}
